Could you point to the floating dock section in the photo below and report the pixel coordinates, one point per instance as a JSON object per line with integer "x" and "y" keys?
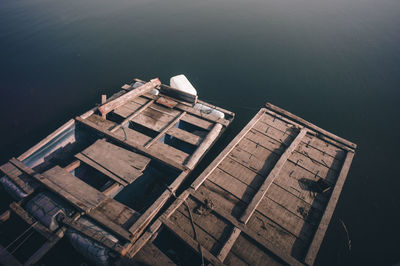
{"x": 267, "y": 199}
{"x": 102, "y": 177}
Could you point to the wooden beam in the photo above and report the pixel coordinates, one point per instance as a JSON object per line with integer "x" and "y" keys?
{"x": 197, "y": 183}
{"x": 72, "y": 166}
{"x": 177, "y": 94}
{"x": 149, "y": 214}
{"x": 243, "y": 228}
{"x": 270, "y": 178}
{"x": 227, "y": 112}
{"x": 190, "y": 241}
{"x": 310, "y": 125}
{"x": 190, "y": 110}
{"x": 101, "y": 169}
{"x": 152, "y": 153}
{"x": 112, "y": 226}
{"x": 171, "y": 124}
{"x": 13, "y": 173}
{"x": 24, "y": 215}
{"x": 111, "y": 105}
{"x": 212, "y": 136}
{"x": 147, "y": 235}
{"x": 323, "y": 225}
{"x": 111, "y": 190}
{"x": 226, "y": 248}
{"x": 5, "y": 216}
{"x": 46, "y": 140}
{"x": 133, "y": 115}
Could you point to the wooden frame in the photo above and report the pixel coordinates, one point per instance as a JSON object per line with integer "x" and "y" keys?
{"x": 241, "y": 224}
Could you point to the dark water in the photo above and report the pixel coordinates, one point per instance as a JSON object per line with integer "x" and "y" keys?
{"x": 334, "y": 62}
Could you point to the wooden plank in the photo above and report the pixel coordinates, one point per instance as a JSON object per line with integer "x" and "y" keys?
{"x": 116, "y": 229}
{"x": 204, "y": 146}
{"x": 126, "y": 164}
{"x": 312, "y": 166}
{"x": 5, "y": 216}
{"x": 177, "y": 94}
{"x": 279, "y": 238}
{"x": 289, "y": 221}
{"x": 293, "y": 204}
{"x": 196, "y": 115}
{"x": 320, "y": 142}
{"x": 248, "y": 250}
{"x": 149, "y": 254}
{"x": 254, "y": 233}
{"x": 71, "y": 188}
{"x": 230, "y": 203}
{"x": 112, "y": 190}
{"x": 184, "y": 136}
{"x": 323, "y": 226}
{"x": 261, "y": 166}
{"x": 203, "y": 115}
{"x": 226, "y": 151}
{"x": 227, "y": 112}
{"x": 132, "y": 116}
{"x": 101, "y": 169}
{"x": 134, "y": 144}
{"x": 144, "y": 239}
{"x": 298, "y": 182}
{"x": 325, "y": 147}
{"x": 17, "y": 177}
{"x": 111, "y": 105}
{"x": 6, "y": 258}
{"x": 158, "y": 150}
{"x": 201, "y": 123}
{"x": 320, "y": 157}
{"x": 241, "y": 173}
{"x": 259, "y": 139}
{"x": 310, "y": 125}
{"x": 232, "y": 185}
{"x": 274, "y": 172}
{"x": 153, "y": 119}
{"x": 100, "y": 122}
{"x": 149, "y": 214}
{"x": 127, "y": 109}
{"x": 205, "y": 238}
{"x": 72, "y": 166}
{"x": 24, "y": 215}
{"x": 166, "y": 128}
{"x": 190, "y": 241}
{"x": 46, "y": 140}
{"x": 229, "y": 244}
{"x": 118, "y": 213}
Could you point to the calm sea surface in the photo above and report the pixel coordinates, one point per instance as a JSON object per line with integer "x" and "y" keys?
{"x": 333, "y": 62}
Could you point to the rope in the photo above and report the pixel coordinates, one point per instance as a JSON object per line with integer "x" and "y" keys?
{"x": 192, "y": 222}
{"x": 22, "y": 242}
{"x": 347, "y": 234}
{"x": 195, "y": 232}
{"x": 123, "y": 130}
{"x": 23, "y": 233}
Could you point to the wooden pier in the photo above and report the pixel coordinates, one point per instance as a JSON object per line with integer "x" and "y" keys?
{"x": 114, "y": 145}
{"x": 267, "y": 199}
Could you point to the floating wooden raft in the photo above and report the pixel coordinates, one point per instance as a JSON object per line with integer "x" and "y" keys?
{"x": 267, "y": 198}
{"x": 130, "y": 130}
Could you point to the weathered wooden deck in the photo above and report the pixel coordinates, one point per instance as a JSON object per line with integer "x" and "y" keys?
{"x": 266, "y": 199}
{"x": 128, "y": 131}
